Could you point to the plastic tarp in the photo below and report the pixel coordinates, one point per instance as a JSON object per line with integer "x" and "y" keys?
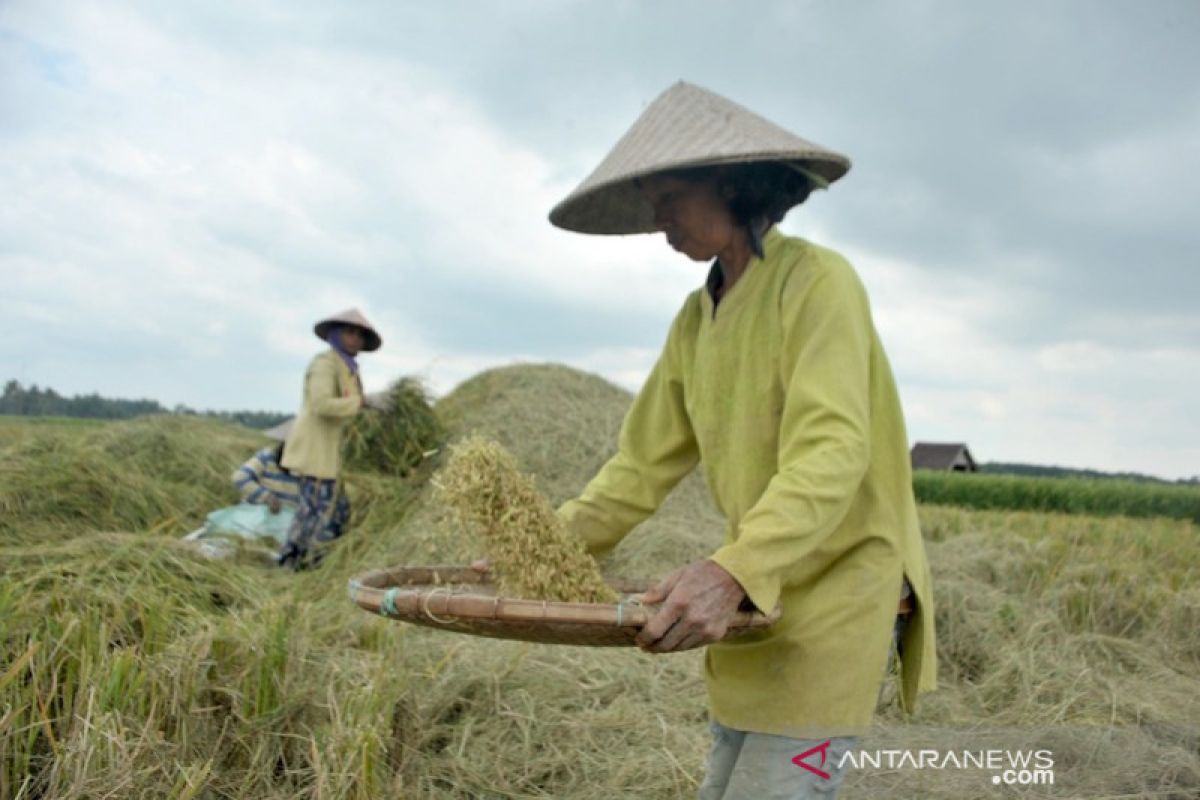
{"x": 253, "y": 522}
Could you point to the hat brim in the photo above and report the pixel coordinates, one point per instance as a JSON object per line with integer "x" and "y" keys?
{"x": 280, "y": 432}
{"x": 371, "y": 339}
{"x": 618, "y": 206}
{"x": 686, "y": 126}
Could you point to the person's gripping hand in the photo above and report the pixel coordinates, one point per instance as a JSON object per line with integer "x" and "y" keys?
{"x": 699, "y": 602}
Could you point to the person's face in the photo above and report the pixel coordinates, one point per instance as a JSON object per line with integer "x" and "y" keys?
{"x": 692, "y": 214}
{"x": 352, "y": 339}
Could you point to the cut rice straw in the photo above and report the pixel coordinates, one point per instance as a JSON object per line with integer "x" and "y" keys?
{"x": 531, "y": 554}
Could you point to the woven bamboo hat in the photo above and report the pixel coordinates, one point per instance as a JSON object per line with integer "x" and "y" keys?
{"x": 351, "y": 316}
{"x": 280, "y": 432}
{"x": 686, "y": 126}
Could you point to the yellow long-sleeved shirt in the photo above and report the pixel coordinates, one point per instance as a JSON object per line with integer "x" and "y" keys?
{"x": 332, "y": 396}
{"x": 784, "y": 393}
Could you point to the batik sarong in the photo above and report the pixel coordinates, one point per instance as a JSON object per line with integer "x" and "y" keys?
{"x": 322, "y": 517}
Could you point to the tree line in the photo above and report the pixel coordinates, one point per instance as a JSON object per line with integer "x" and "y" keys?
{"x": 1036, "y": 471}
{"x": 33, "y": 401}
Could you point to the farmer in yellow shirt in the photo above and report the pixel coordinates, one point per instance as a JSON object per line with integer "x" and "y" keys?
{"x": 774, "y": 380}
{"x": 333, "y": 395}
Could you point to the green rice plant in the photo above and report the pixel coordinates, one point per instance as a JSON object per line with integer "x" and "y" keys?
{"x": 1065, "y": 495}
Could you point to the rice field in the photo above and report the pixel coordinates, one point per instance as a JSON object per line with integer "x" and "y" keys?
{"x": 14, "y": 428}
{"x": 1100, "y": 497}
{"x": 132, "y": 667}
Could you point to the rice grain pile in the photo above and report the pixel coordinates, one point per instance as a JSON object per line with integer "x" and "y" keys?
{"x": 532, "y": 557}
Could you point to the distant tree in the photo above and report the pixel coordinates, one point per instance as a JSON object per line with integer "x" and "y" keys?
{"x": 1035, "y": 470}
{"x": 35, "y": 401}
{"x": 10, "y": 402}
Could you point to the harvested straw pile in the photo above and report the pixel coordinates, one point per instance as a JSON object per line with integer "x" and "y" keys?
{"x": 132, "y": 667}
{"x": 395, "y": 438}
{"x": 561, "y": 426}
{"x": 560, "y": 423}
{"x": 532, "y": 556}
{"x": 159, "y": 473}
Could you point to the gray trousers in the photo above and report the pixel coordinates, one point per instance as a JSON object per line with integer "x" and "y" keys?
{"x": 760, "y": 766}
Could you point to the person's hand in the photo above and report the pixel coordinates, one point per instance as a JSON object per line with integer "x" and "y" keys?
{"x": 699, "y": 602}
{"x": 274, "y": 503}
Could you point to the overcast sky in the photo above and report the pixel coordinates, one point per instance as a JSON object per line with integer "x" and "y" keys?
{"x": 186, "y": 187}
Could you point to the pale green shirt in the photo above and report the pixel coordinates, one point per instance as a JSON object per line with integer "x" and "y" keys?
{"x": 784, "y": 394}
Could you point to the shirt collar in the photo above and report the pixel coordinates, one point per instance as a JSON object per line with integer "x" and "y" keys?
{"x": 716, "y": 278}
{"x": 714, "y": 281}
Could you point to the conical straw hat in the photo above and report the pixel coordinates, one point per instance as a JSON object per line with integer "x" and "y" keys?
{"x": 280, "y": 432}
{"x": 351, "y": 316}
{"x": 686, "y": 126}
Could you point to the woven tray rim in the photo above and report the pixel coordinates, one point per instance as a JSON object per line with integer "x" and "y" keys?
{"x": 405, "y": 593}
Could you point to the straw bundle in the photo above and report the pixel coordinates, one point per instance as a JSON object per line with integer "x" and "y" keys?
{"x": 397, "y": 436}
{"x": 531, "y": 554}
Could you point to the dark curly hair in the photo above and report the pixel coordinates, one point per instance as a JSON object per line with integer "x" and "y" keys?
{"x": 758, "y": 195}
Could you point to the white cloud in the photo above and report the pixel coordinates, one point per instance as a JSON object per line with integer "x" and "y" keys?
{"x": 1075, "y": 402}
{"x": 185, "y": 193}
{"x": 275, "y": 189}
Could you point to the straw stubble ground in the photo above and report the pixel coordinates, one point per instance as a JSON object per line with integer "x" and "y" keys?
{"x": 131, "y": 667}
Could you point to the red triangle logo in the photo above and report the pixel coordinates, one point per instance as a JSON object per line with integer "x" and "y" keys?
{"x": 821, "y": 748}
